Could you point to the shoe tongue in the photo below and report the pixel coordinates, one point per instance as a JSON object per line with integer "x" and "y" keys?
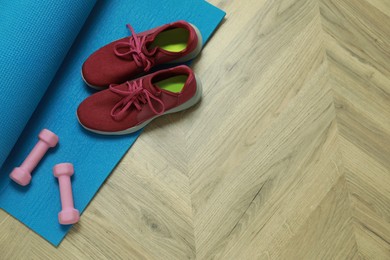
{"x": 145, "y": 48}
{"x": 152, "y": 36}
{"x": 147, "y": 84}
{"x": 157, "y": 31}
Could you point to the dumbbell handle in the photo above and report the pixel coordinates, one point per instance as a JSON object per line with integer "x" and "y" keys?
{"x": 65, "y": 191}
{"x": 35, "y": 156}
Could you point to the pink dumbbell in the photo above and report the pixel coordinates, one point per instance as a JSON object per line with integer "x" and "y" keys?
{"x": 68, "y": 215}
{"x": 22, "y": 174}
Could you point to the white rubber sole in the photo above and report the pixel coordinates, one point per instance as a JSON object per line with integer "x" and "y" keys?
{"x": 191, "y": 102}
{"x": 186, "y": 58}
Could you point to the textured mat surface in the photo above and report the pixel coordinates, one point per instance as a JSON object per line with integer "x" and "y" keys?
{"x": 34, "y": 39}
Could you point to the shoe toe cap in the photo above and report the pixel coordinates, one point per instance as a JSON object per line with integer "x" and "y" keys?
{"x": 94, "y": 113}
{"x": 94, "y": 73}
{"x": 91, "y": 116}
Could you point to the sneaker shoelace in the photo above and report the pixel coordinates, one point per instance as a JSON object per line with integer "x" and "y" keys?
{"x": 135, "y": 95}
{"x": 134, "y": 46}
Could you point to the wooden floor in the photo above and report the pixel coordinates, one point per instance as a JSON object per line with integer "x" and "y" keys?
{"x": 287, "y": 156}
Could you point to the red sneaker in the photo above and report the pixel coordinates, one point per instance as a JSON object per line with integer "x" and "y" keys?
{"x": 128, "y": 107}
{"x": 129, "y": 57}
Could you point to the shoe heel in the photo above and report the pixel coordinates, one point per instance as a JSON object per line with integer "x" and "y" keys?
{"x": 195, "y": 52}
{"x": 193, "y": 101}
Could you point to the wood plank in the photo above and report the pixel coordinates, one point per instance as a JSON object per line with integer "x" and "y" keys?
{"x": 286, "y": 157}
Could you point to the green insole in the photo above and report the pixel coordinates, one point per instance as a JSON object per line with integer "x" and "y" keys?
{"x": 173, "y": 84}
{"x": 174, "y": 40}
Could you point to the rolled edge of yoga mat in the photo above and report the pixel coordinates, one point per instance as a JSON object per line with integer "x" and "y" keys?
{"x": 35, "y": 37}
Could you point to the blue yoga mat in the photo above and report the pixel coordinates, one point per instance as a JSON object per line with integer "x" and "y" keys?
{"x": 50, "y": 30}
{"x": 34, "y": 40}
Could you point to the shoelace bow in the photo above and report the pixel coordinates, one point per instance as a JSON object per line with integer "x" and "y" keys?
{"x": 134, "y": 46}
{"x": 135, "y": 95}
